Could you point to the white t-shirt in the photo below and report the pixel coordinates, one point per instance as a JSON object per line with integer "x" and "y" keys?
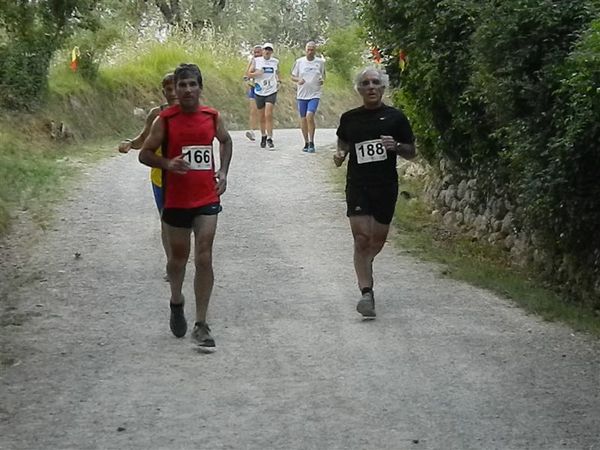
{"x": 266, "y": 84}
{"x": 312, "y": 72}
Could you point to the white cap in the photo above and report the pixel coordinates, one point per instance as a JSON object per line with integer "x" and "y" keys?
{"x": 268, "y": 45}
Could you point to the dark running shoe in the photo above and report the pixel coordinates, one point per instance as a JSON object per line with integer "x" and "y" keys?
{"x": 270, "y": 144}
{"x": 311, "y": 147}
{"x": 201, "y": 335}
{"x": 366, "y": 305}
{"x": 178, "y": 323}
{"x": 263, "y": 141}
{"x": 305, "y": 149}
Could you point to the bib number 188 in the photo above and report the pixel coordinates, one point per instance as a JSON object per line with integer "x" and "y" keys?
{"x": 370, "y": 151}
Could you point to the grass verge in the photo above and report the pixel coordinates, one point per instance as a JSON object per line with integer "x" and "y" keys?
{"x": 481, "y": 264}
{"x": 36, "y": 173}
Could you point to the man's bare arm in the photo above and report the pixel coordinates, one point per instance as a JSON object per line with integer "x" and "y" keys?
{"x": 148, "y": 154}
{"x": 407, "y": 151}
{"x": 225, "y": 154}
{"x": 137, "y": 141}
{"x": 253, "y": 71}
{"x": 342, "y": 150}
{"x": 248, "y": 68}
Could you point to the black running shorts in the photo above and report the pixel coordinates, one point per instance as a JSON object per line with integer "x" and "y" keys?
{"x": 184, "y": 218}
{"x": 378, "y": 201}
{"x": 261, "y": 100}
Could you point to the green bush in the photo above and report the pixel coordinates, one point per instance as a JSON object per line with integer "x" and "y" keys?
{"x": 23, "y": 73}
{"x": 566, "y": 207}
{"x": 436, "y": 39}
{"x": 508, "y": 91}
{"x": 93, "y": 45}
{"x": 343, "y": 51}
{"x": 30, "y": 33}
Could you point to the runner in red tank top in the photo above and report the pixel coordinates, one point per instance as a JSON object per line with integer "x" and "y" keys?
{"x": 192, "y": 189}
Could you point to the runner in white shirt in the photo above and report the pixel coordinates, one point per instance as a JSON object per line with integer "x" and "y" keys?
{"x": 309, "y": 74}
{"x": 265, "y": 71}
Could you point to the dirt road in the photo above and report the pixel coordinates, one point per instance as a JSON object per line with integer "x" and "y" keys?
{"x": 89, "y": 361}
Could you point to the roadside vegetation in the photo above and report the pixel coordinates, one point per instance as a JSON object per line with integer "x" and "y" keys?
{"x": 482, "y": 264}
{"x": 504, "y": 96}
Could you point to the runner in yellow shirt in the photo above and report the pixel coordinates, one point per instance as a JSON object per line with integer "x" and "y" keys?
{"x": 168, "y": 90}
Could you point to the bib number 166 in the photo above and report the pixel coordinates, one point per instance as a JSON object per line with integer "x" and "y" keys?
{"x": 198, "y": 156}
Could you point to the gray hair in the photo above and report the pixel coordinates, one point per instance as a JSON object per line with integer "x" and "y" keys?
{"x": 385, "y": 79}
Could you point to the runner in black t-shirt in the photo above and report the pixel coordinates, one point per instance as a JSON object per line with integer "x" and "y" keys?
{"x": 373, "y": 135}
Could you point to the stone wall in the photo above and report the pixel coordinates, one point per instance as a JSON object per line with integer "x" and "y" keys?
{"x": 493, "y": 218}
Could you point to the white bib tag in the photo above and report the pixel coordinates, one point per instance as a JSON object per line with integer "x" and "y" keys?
{"x": 199, "y": 156}
{"x": 370, "y": 151}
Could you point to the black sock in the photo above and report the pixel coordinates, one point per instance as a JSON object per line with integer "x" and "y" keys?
{"x": 365, "y": 290}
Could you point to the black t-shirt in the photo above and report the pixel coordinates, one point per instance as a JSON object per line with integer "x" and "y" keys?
{"x": 361, "y": 129}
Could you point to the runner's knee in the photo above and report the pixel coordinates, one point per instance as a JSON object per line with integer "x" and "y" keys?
{"x": 203, "y": 257}
{"x": 362, "y": 242}
{"x": 179, "y": 254}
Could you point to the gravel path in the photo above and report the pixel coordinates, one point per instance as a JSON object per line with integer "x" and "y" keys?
{"x": 89, "y": 361}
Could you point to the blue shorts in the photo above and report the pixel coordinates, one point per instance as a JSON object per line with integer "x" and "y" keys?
{"x": 158, "y": 196}
{"x": 250, "y": 93}
{"x": 307, "y": 106}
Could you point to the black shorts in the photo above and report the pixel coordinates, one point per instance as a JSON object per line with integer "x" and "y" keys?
{"x": 262, "y": 100}
{"x": 184, "y": 217}
{"x": 378, "y": 201}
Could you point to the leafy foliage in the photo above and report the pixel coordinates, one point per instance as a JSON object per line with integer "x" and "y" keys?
{"x": 30, "y": 34}
{"x": 508, "y": 91}
{"x": 569, "y": 163}
{"x": 343, "y": 51}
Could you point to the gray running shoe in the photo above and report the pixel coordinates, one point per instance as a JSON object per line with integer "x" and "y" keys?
{"x": 178, "y": 323}
{"x": 270, "y": 144}
{"x": 201, "y": 335}
{"x": 366, "y": 305}
{"x": 250, "y": 135}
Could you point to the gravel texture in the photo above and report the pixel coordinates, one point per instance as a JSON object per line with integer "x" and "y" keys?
{"x": 88, "y": 361}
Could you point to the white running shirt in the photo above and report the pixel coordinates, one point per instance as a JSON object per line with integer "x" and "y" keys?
{"x": 266, "y": 84}
{"x": 312, "y": 72}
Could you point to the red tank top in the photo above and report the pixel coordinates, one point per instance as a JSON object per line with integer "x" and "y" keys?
{"x": 192, "y": 135}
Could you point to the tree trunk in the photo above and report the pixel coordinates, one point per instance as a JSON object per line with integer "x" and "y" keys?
{"x": 171, "y": 10}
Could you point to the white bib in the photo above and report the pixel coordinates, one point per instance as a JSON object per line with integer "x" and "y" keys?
{"x": 199, "y": 156}
{"x": 370, "y": 151}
